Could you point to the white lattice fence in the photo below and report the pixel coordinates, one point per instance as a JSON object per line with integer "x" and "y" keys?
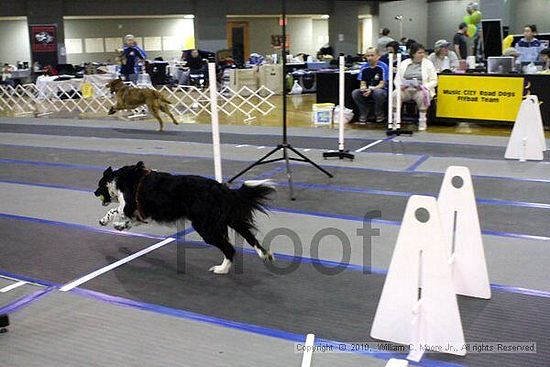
{"x": 18, "y": 100}
{"x": 67, "y": 97}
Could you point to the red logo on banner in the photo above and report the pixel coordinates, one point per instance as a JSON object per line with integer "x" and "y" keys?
{"x": 44, "y": 38}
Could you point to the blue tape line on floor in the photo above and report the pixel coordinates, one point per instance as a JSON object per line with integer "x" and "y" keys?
{"x": 417, "y": 164}
{"x": 299, "y": 259}
{"x": 81, "y": 226}
{"x": 366, "y": 269}
{"x": 49, "y": 186}
{"x": 270, "y": 174}
{"x": 25, "y": 278}
{"x": 25, "y": 301}
{"x": 326, "y": 263}
{"x": 275, "y": 136}
{"x": 396, "y": 223}
{"x": 325, "y": 164}
{"x": 85, "y": 167}
{"x": 278, "y": 170}
{"x": 319, "y": 214}
{"x": 256, "y": 329}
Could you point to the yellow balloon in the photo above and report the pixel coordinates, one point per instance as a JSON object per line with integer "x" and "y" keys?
{"x": 507, "y": 42}
{"x": 472, "y": 29}
{"x": 467, "y": 19}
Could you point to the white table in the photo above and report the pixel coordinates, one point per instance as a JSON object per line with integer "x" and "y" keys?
{"x": 49, "y": 87}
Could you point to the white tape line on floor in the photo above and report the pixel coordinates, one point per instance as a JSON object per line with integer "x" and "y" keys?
{"x": 86, "y": 278}
{"x": 12, "y": 286}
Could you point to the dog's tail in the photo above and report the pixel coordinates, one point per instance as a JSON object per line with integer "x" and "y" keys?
{"x": 252, "y": 196}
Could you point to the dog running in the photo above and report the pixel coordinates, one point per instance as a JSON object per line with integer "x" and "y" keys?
{"x": 145, "y": 195}
{"x": 128, "y": 98}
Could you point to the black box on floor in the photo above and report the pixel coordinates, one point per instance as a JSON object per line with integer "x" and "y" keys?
{"x": 4, "y": 321}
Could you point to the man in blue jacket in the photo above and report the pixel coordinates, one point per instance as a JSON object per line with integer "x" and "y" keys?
{"x": 529, "y": 47}
{"x": 132, "y": 55}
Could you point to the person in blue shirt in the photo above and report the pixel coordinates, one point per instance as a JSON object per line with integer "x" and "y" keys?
{"x": 529, "y": 47}
{"x": 374, "y": 78}
{"x": 132, "y": 55}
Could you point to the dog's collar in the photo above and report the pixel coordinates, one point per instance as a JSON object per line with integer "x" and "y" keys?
{"x": 141, "y": 215}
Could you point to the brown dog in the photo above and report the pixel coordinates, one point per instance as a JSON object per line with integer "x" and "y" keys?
{"x": 128, "y": 98}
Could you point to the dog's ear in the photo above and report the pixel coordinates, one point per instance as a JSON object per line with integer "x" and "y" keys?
{"x": 108, "y": 172}
{"x": 140, "y": 164}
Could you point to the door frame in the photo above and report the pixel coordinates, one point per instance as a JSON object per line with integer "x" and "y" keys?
{"x": 237, "y": 24}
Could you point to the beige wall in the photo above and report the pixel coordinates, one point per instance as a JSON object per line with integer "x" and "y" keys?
{"x": 139, "y": 27}
{"x": 524, "y": 12}
{"x": 415, "y": 19}
{"x": 15, "y": 46}
{"x": 306, "y": 34}
{"x": 320, "y": 33}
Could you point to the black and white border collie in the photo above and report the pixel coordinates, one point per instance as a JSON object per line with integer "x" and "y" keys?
{"x": 144, "y": 195}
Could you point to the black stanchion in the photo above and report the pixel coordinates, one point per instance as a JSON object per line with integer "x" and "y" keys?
{"x": 4, "y": 323}
{"x": 285, "y": 146}
{"x": 398, "y": 132}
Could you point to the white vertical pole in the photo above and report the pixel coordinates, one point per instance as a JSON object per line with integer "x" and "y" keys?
{"x": 341, "y": 85}
{"x": 308, "y": 352}
{"x": 398, "y": 102}
{"x": 215, "y": 121}
{"x": 390, "y": 91}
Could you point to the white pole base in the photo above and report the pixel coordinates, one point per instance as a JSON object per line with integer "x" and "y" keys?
{"x": 527, "y": 141}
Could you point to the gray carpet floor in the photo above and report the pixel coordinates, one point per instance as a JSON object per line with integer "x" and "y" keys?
{"x": 52, "y": 235}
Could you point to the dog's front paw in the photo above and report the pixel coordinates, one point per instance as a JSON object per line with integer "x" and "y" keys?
{"x": 265, "y": 255}
{"x": 103, "y": 222}
{"x": 121, "y": 226}
{"x": 269, "y": 257}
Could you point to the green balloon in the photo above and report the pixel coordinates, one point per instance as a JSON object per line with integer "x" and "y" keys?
{"x": 467, "y": 19}
{"x": 289, "y": 81}
{"x": 476, "y": 17}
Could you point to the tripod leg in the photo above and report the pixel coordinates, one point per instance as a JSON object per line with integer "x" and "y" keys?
{"x": 310, "y": 161}
{"x": 254, "y": 164}
{"x": 288, "y": 174}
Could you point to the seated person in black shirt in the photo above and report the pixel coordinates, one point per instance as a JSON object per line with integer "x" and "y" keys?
{"x": 194, "y": 62}
{"x": 374, "y": 78}
{"x": 393, "y": 48}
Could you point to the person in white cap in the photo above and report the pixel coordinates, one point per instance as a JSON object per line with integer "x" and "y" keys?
{"x": 443, "y": 58}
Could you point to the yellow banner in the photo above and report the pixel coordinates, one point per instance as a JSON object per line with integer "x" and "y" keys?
{"x": 479, "y": 97}
{"x": 87, "y": 90}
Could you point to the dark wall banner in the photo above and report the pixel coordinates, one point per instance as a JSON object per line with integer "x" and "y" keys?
{"x": 44, "y": 43}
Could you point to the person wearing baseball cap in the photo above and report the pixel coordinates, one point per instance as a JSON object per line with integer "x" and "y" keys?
{"x": 443, "y": 58}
